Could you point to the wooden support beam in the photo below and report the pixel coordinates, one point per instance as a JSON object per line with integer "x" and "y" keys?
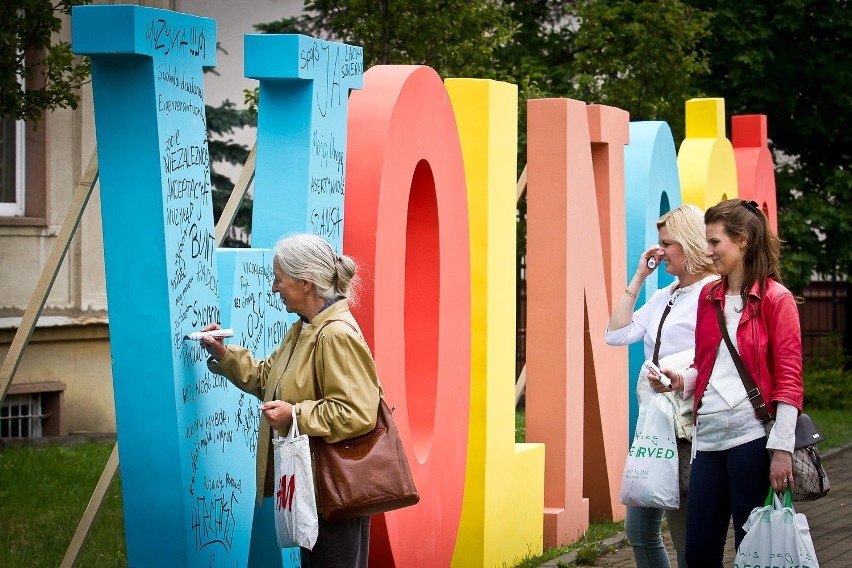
{"x": 81, "y": 535}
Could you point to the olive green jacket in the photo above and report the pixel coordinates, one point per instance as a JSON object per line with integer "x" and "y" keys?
{"x": 345, "y": 369}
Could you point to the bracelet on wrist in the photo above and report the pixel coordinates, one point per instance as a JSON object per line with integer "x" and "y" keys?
{"x": 629, "y": 293}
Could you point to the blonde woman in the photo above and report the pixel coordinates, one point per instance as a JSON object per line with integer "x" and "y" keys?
{"x": 666, "y": 325}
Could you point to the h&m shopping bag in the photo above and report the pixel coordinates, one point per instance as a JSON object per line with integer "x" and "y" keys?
{"x": 651, "y": 470}
{"x": 296, "y": 522}
{"x": 776, "y": 535}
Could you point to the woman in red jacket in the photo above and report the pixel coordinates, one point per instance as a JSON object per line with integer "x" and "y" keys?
{"x": 731, "y": 469}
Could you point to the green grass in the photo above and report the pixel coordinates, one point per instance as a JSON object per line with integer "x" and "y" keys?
{"x": 520, "y": 424}
{"x": 43, "y": 494}
{"x": 588, "y": 544}
{"x": 835, "y": 425}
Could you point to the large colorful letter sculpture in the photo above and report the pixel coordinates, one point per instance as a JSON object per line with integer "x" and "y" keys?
{"x": 755, "y": 168}
{"x": 406, "y": 182}
{"x": 260, "y": 322}
{"x": 187, "y": 498}
{"x": 576, "y": 400}
{"x": 501, "y": 476}
{"x": 705, "y": 162}
{"x": 301, "y": 133}
{"x": 299, "y": 180}
{"x": 651, "y": 187}
{"x": 430, "y": 202}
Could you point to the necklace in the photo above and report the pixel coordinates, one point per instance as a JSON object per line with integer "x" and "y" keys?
{"x": 678, "y": 290}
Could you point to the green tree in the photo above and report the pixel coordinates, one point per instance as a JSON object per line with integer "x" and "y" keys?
{"x": 538, "y": 58}
{"x": 457, "y": 38}
{"x": 540, "y": 54}
{"x": 639, "y": 55}
{"x": 37, "y": 73}
{"x": 787, "y": 59}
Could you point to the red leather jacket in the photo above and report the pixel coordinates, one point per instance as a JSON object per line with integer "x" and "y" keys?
{"x": 769, "y": 341}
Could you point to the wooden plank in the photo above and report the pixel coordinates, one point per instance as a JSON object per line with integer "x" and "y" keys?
{"x": 229, "y": 213}
{"x": 520, "y": 385}
{"x": 522, "y": 379}
{"x": 81, "y": 535}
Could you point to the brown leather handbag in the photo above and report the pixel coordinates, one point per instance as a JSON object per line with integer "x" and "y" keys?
{"x": 364, "y": 475}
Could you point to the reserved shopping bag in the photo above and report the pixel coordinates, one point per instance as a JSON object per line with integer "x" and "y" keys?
{"x": 776, "y": 535}
{"x": 651, "y": 470}
{"x": 296, "y": 522}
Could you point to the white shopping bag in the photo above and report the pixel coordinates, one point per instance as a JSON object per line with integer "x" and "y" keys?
{"x": 776, "y": 535}
{"x": 296, "y": 522}
{"x": 651, "y": 470}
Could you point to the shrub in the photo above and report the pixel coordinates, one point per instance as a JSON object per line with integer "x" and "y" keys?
{"x": 826, "y": 382}
{"x": 827, "y": 388}
{"x": 828, "y": 354}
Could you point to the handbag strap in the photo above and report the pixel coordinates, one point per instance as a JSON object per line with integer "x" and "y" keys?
{"x": 656, "y": 357}
{"x": 313, "y": 354}
{"x": 751, "y": 389}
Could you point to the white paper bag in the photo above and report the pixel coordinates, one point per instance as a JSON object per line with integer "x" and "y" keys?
{"x": 651, "y": 470}
{"x": 776, "y": 535}
{"x": 296, "y": 522}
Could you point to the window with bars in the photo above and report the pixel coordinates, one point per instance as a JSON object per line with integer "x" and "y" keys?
{"x": 21, "y": 416}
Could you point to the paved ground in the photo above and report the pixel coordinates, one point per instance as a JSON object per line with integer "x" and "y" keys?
{"x": 830, "y": 520}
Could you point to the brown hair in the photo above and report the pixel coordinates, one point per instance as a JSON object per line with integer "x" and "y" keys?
{"x": 762, "y": 253}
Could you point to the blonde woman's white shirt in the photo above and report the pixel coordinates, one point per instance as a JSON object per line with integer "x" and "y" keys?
{"x": 679, "y": 327}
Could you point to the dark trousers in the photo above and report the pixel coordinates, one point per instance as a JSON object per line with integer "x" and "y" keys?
{"x": 722, "y": 485}
{"x": 341, "y": 544}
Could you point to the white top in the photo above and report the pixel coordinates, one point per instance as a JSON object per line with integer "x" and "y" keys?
{"x": 679, "y": 327}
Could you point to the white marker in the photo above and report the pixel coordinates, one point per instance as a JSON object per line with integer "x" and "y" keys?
{"x": 197, "y": 335}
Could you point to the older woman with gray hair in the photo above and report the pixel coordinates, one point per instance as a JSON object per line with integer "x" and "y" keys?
{"x": 315, "y": 283}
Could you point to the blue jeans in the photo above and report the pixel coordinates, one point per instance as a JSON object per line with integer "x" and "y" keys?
{"x": 722, "y": 485}
{"x": 643, "y": 528}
